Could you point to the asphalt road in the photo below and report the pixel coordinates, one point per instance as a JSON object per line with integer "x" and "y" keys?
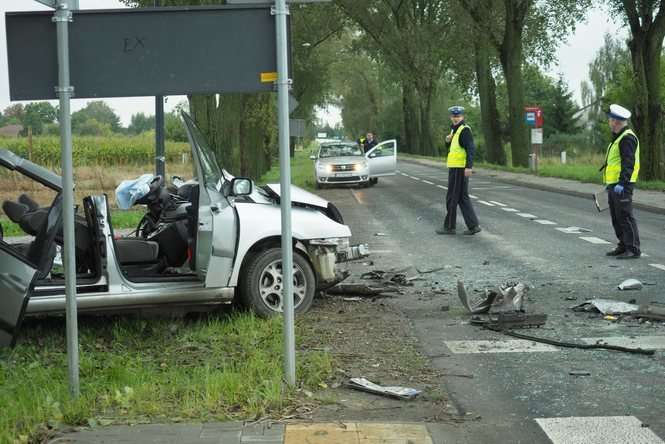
{"x": 515, "y": 392}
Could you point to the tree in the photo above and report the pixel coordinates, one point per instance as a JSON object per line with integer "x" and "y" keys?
{"x": 14, "y": 114}
{"x": 174, "y": 128}
{"x": 38, "y": 114}
{"x": 141, "y": 123}
{"x": 98, "y": 111}
{"x": 646, "y": 20}
{"x": 93, "y": 127}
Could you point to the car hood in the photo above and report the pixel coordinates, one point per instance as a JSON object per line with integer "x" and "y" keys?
{"x": 298, "y": 195}
{"x": 340, "y": 160}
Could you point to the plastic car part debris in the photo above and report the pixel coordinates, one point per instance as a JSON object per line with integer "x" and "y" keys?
{"x": 603, "y": 346}
{"x": 360, "y": 290}
{"x": 511, "y": 320}
{"x": 511, "y": 297}
{"x": 606, "y": 306}
{"x": 353, "y": 253}
{"x": 652, "y": 311}
{"x": 365, "y": 385}
{"x": 379, "y": 234}
{"x": 478, "y": 307}
{"x": 630, "y": 284}
{"x": 610, "y": 318}
{"x": 579, "y": 373}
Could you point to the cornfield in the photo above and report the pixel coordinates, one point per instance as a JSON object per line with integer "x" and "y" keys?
{"x": 96, "y": 151}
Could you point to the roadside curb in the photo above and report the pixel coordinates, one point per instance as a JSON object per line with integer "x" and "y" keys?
{"x": 495, "y": 174}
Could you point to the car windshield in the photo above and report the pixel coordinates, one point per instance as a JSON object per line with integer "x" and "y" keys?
{"x": 212, "y": 174}
{"x": 340, "y": 150}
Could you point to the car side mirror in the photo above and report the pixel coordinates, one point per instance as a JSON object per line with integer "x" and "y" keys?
{"x": 312, "y": 157}
{"x": 241, "y": 186}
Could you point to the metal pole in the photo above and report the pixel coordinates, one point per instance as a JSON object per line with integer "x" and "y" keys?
{"x": 281, "y": 11}
{"x": 160, "y": 158}
{"x": 62, "y": 17}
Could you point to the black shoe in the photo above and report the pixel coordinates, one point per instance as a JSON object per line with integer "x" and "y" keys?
{"x": 472, "y": 231}
{"x": 629, "y": 255}
{"x": 617, "y": 251}
{"x": 444, "y": 230}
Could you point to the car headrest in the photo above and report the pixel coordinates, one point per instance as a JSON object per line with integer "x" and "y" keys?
{"x": 14, "y": 210}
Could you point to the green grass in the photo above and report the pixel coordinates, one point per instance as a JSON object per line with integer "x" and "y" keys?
{"x": 582, "y": 169}
{"x": 120, "y": 219}
{"x": 133, "y": 370}
{"x": 302, "y": 171}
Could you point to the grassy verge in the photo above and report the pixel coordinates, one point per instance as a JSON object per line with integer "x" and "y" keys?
{"x": 302, "y": 171}
{"x": 134, "y": 371}
{"x": 583, "y": 169}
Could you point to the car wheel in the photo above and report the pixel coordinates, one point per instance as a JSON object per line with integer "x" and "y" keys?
{"x": 318, "y": 185}
{"x": 261, "y": 287}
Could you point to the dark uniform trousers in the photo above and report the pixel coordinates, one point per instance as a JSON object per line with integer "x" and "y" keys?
{"x": 625, "y": 225}
{"x": 458, "y": 194}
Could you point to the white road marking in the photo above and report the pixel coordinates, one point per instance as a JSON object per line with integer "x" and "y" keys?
{"x": 498, "y": 203}
{"x": 428, "y": 182}
{"x": 442, "y": 187}
{"x": 545, "y": 222}
{"x": 381, "y": 251}
{"x": 597, "y": 430}
{"x": 645, "y": 342}
{"x": 527, "y": 215}
{"x": 573, "y": 230}
{"x": 473, "y": 197}
{"x": 504, "y": 346}
{"x": 658, "y": 266}
{"x": 595, "y": 240}
{"x": 416, "y": 178}
{"x": 510, "y": 210}
{"x": 357, "y": 197}
{"x": 486, "y": 203}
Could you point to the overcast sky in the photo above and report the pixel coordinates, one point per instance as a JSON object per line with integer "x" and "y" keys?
{"x": 573, "y": 55}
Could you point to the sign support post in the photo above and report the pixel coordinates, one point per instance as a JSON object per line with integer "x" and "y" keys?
{"x": 62, "y": 17}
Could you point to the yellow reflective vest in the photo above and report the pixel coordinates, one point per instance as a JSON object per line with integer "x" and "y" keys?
{"x": 457, "y": 154}
{"x": 613, "y": 160}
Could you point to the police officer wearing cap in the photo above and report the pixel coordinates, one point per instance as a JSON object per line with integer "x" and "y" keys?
{"x": 622, "y": 165}
{"x": 460, "y": 168}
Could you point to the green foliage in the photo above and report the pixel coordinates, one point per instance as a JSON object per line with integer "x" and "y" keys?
{"x": 553, "y": 97}
{"x": 95, "y": 111}
{"x": 141, "y": 123}
{"x": 37, "y": 115}
{"x": 174, "y": 129}
{"x": 212, "y": 368}
{"x": 88, "y": 150}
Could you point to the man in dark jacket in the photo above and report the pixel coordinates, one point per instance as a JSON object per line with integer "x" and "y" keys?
{"x": 460, "y": 168}
{"x": 370, "y": 142}
{"x": 620, "y": 171}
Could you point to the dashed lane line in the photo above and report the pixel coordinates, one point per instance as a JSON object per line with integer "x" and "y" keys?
{"x": 442, "y": 187}
{"x": 498, "y": 203}
{"x": 597, "y": 430}
{"x": 658, "y": 266}
{"x": 595, "y": 240}
{"x": 428, "y": 182}
{"x": 504, "y": 346}
{"x": 510, "y": 210}
{"x": 473, "y": 197}
{"x": 545, "y": 222}
{"x": 484, "y": 202}
{"x": 644, "y": 342}
{"x": 527, "y": 215}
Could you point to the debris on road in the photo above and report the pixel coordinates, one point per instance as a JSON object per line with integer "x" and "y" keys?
{"x": 606, "y": 307}
{"x": 508, "y": 298}
{"x": 354, "y": 299}
{"x": 504, "y": 321}
{"x": 579, "y": 373}
{"x": 365, "y": 385}
{"x": 434, "y": 270}
{"x": 630, "y": 284}
{"x": 360, "y": 290}
{"x": 610, "y": 318}
{"x": 379, "y": 234}
{"x": 391, "y": 278}
{"x": 652, "y": 311}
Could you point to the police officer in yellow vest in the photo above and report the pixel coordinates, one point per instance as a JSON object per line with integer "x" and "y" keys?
{"x": 460, "y": 167}
{"x": 622, "y": 165}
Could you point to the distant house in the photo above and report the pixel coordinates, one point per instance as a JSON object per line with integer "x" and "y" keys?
{"x": 11, "y": 130}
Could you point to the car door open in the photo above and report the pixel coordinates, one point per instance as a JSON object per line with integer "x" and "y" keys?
{"x": 382, "y": 159}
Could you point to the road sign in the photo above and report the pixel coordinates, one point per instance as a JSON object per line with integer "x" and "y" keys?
{"x": 533, "y": 116}
{"x": 536, "y": 136}
{"x": 145, "y": 52}
{"x": 297, "y": 127}
{"x": 293, "y": 104}
{"x": 267, "y": 2}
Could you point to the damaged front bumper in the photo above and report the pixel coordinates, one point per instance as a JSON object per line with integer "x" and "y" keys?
{"x": 327, "y": 253}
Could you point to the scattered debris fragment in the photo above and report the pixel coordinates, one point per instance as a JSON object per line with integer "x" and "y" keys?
{"x": 379, "y": 234}
{"x": 360, "y": 290}
{"x": 652, "y": 311}
{"x": 606, "y": 306}
{"x": 390, "y": 391}
{"x": 504, "y": 321}
{"x": 630, "y": 284}
{"x": 579, "y": 373}
{"x": 390, "y": 278}
{"x": 355, "y": 299}
{"x": 507, "y": 298}
{"x": 610, "y": 318}
{"x": 434, "y": 270}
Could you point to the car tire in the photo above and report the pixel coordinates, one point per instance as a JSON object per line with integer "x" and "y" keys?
{"x": 373, "y": 181}
{"x": 260, "y": 288}
{"x": 318, "y": 185}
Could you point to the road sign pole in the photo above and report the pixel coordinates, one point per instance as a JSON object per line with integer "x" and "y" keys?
{"x": 160, "y": 151}
{"x": 62, "y": 17}
{"x": 280, "y": 11}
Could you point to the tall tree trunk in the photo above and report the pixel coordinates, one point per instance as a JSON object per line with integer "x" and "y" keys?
{"x": 511, "y": 61}
{"x": 411, "y": 121}
{"x": 489, "y": 113}
{"x": 427, "y": 145}
{"x": 648, "y": 109}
